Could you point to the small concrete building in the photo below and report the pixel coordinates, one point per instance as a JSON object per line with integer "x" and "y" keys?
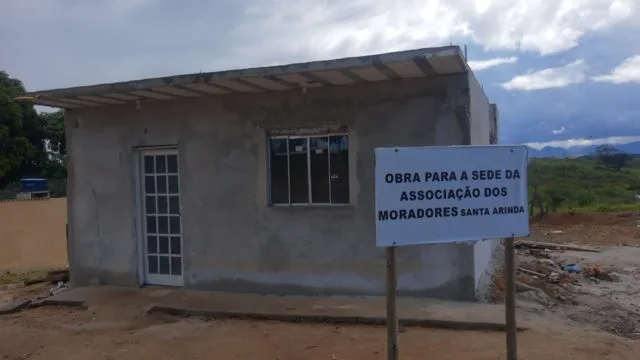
{"x": 261, "y": 180}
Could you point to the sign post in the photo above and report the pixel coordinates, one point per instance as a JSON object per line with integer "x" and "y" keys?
{"x": 392, "y": 316}
{"x": 510, "y": 300}
{"x": 454, "y": 194}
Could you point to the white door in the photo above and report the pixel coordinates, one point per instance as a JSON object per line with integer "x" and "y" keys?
{"x": 161, "y": 223}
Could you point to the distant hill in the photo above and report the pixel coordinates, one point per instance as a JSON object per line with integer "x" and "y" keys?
{"x": 576, "y": 151}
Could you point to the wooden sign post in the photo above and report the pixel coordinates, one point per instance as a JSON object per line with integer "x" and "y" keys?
{"x": 392, "y": 316}
{"x": 510, "y": 300}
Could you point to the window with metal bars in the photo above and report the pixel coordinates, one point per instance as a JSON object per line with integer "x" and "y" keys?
{"x": 310, "y": 169}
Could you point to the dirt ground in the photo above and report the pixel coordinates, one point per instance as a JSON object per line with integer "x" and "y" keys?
{"x": 567, "y": 319}
{"x": 610, "y": 229}
{"x": 126, "y": 333}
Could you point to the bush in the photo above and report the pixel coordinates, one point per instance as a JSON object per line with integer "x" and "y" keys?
{"x": 582, "y": 185}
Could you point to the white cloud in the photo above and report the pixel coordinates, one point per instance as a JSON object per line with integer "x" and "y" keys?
{"x": 479, "y": 65}
{"x": 60, "y": 43}
{"x": 569, "y": 74}
{"x": 547, "y": 26}
{"x": 569, "y": 143}
{"x": 627, "y": 71}
{"x": 559, "y": 131}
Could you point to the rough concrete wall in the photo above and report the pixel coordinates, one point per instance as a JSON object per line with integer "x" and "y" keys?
{"x": 102, "y": 235}
{"x": 482, "y": 126}
{"x": 74, "y": 246}
{"x": 480, "y": 113}
{"x": 232, "y": 239}
{"x": 495, "y": 124}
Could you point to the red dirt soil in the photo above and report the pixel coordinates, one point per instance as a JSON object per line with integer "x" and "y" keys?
{"x": 589, "y": 229}
{"x": 121, "y": 333}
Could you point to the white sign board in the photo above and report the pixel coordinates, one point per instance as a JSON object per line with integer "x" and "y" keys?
{"x": 430, "y": 195}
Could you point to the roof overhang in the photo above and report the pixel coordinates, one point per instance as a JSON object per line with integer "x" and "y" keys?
{"x": 365, "y": 69}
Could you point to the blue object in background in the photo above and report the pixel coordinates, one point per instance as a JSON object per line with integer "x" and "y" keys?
{"x": 572, "y": 268}
{"x": 33, "y": 185}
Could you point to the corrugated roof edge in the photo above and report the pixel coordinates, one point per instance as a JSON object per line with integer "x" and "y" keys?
{"x": 334, "y": 64}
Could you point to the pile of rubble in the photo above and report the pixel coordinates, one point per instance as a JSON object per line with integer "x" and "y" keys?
{"x": 33, "y": 292}
{"x": 59, "y": 278}
{"x": 545, "y": 278}
{"x": 551, "y": 279}
{"x": 589, "y": 288}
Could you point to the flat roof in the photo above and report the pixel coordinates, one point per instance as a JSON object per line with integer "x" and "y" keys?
{"x": 389, "y": 66}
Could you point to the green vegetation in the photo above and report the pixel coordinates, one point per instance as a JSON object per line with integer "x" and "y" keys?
{"x": 9, "y": 277}
{"x": 587, "y": 184}
{"x": 31, "y": 144}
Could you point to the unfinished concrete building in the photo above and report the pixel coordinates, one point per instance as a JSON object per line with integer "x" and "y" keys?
{"x": 261, "y": 180}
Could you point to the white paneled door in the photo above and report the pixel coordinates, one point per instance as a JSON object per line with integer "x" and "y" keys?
{"x": 161, "y": 222}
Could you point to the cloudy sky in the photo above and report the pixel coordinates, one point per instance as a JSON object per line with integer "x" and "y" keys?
{"x": 564, "y": 72}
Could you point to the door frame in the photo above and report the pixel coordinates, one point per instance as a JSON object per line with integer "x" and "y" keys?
{"x": 139, "y": 153}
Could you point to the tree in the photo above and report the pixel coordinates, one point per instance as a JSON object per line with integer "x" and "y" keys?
{"x": 54, "y": 131}
{"x": 611, "y": 157}
{"x": 24, "y": 135}
{"x": 56, "y": 143}
{"x": 20, "y": 132}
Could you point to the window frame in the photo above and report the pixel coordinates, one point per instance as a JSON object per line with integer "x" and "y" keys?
{"x": 308, "y": 137}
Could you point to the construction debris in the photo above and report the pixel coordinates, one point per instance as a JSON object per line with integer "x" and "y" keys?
{"x": 34, "y": 281}
{"x": 531, "y": 272}
{"x": 572, "y": 268}
{"x": 540, "y": 273}
{"x": 60, "y": 287}
{"x": 554, "y": 277}
{"x": 522, "y": 287}
{"x": 55, "y": 276}
{"x": 537, "y": 296}
{"x": 552, "y": 246}
{"x": 601, "y": 274}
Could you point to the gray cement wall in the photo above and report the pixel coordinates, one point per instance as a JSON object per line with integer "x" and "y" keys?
{"x": 483, "y": 124}
{"x": 235, "y": 241}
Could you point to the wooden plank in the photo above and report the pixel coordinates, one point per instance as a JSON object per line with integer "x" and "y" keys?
{"x": 526, "y": 287}
{"x": 510, "y": 300}
{"x": 531, "y": 272}
{"x": 392, "y": 318}
{"x": 544, "y": 245}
